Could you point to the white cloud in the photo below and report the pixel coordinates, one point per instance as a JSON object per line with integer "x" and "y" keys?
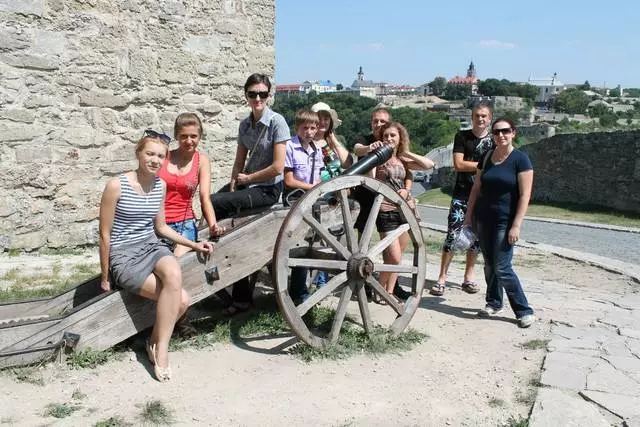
{"x": 368, "y": 47}
{"x": 496, "y": 44}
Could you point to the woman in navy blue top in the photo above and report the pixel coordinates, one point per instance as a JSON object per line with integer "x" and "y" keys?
{"x": 499, "y": 199}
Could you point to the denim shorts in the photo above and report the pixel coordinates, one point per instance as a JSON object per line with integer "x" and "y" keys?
{"x": 186, "y": 228}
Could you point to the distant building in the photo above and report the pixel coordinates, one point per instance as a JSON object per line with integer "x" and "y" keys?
{"x": 547, "y": 88}
{"x": 319, "y": 86}
{"x": 289, "y": 89}
{"x": 469, "y": 80}
{"x": 368, "y": 88}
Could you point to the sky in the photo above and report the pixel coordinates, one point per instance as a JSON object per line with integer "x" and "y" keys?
{"x": 413, "y": 41}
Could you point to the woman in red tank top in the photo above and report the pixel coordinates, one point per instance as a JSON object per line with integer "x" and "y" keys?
{"x": 186, "y": 170}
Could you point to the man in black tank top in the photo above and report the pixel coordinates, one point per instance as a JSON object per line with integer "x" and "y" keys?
{"x": 469, "y": 147}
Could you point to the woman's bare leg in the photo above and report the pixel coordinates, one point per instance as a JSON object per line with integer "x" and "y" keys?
{"x": 165, "y": 287}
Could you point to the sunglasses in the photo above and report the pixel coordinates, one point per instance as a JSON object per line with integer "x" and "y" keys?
{"x": 251, "y": 94}
{"x": 504, "y": 131}
{"x": 153, "y": 134}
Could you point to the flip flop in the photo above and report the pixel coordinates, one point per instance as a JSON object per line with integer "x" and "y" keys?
{"x": 437, "y": 289}
{"x": 470, "y": 287}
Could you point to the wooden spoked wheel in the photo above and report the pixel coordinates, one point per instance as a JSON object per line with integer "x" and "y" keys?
{"x": 311, "y": 239}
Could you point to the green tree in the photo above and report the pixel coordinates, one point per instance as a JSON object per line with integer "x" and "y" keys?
{"x": 572, "y": 101}
{"x": 494, "y": 87}
{"x": 339, "y": 86}
{"x": 457, "y": 92}
{"x": 585, "y": 86}
{"x": 438, "y": 85}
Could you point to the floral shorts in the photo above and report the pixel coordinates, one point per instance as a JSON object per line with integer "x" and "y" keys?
{"x": 455, "y": 220}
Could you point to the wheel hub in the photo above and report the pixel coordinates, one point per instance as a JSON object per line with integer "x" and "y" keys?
{"x": 359, "y": 267}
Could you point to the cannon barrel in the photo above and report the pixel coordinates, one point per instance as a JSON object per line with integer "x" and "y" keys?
{"x": 377, "y": 157}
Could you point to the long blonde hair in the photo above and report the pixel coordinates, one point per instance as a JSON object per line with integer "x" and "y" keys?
{"x": 403, "y": 145}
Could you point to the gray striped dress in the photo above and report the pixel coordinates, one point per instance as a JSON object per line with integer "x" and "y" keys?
{"x": 134, "y": 249}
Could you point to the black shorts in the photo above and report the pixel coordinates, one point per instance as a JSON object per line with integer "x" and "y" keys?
{"x": 389, "y": 221}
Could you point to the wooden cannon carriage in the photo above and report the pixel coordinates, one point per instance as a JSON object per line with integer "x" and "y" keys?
{"x": 316, "y": 232}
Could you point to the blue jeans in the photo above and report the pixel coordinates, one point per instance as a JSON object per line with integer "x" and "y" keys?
{"x": 298, "y": 284}
{"x": 186, "y": 228}
{"x": 498, "y": 271}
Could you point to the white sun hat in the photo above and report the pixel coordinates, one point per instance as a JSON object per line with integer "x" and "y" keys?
{"x": 323, "y": 106}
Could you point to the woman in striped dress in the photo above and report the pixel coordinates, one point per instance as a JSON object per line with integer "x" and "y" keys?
{"x": 131, "y": 213}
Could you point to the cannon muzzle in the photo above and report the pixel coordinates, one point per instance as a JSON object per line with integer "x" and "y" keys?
{"x": 377, "y": 157}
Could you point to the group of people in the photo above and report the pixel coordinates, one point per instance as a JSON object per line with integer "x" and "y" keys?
{"x": 140, "y": 207}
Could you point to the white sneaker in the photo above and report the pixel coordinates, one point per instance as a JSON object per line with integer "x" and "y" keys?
{"x": 489, "y": 311}
{"x": 526, "y": 320}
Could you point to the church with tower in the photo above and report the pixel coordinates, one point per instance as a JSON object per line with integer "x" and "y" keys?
{"x": 469, "y": 80}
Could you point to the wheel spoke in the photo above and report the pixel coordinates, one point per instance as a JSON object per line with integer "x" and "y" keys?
{"x": 371, "y": 222}
{"x": 331, "y": 241}
{"x": 352, "y": 242}
{"x": 341, "y": 311}
{"x": 364, "y": 309}
{"x": 389, "y": 238}
{"x": 331, "y": 286}
{"x": 317, "y": 264}
{"x": 390, "y": 299}
{"x": 395, "y": 268}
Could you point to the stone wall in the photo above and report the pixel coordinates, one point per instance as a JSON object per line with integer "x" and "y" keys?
{"x": 601, "y": 169}
{"x": 596, "y": 168}
{"x": 82, "y": 79}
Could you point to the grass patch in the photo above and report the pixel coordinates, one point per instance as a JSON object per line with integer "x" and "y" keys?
{"x": 520, "y": 421}
{"x": 353, "y": 340}
{"x": 27, "y": 375}
{"x": 60, "y": 410}
{"x": 536, "y": 344}
{"x": 78, "y": 395}
{"x": 495, "y": 402}
{"x": 565, "y": 211}
{"x": 23, "y": 286}
{"x": 115, "y": 421}
{"x": 13, "y": 252}
{"x": 89, "y": 358}
{"x": 527, "y": 397}
{"x": 155, "y": 412}
{"x": 61, "y": 251}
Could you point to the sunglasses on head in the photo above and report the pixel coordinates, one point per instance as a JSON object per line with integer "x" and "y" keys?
{"x": 504, "y": 131}
{"x": 252, "y": 94}
{"x": 153, "y": 134}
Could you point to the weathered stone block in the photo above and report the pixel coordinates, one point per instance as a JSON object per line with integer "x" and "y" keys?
{"x": 17, "y": 115}
{"x": 13, "y": 39}
{"x": 29, "y": 241}
{"x": 23, "y": 7}
{"x": 11, "y": 132}
{"x": 608, "y": 379}
{"x": 49, "y": 42}
{"x": 37, "y": 101}
{"x": 30, "y": 61}
{"x": 619, "y": 404}
{"x": 555, "y": 407}
{"x": 100, "y": 98}
{"x": 34, "y": 154}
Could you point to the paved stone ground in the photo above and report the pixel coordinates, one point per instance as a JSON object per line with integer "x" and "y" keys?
{"x": 591, "y": 374}
{"x": 608, "y": 243}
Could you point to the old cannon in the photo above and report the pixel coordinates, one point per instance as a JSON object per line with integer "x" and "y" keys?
{"x": 317, "y": 232}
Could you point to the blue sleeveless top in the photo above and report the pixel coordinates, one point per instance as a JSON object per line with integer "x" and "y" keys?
{"x": 135, "y": 213}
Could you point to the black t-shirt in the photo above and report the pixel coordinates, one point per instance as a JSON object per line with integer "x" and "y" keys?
{"x": 473, "y": 150}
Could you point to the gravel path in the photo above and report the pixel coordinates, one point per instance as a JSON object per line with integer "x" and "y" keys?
{"x": 608, "y": 243}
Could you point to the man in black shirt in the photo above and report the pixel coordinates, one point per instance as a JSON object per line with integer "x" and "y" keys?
{"x": 469, "y": 147}
{"x": 379, "y": 118}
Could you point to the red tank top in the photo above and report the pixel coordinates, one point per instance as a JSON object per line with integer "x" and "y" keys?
{"x": 180, "y": 190}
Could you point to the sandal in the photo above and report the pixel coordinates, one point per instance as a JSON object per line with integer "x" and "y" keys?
{"x": 162, "y": 374}
{"x": 437, "y": 289}
{"x": 470, "y": 287}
